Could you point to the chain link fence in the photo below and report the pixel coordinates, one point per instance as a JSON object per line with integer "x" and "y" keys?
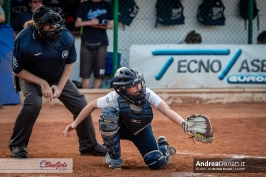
{"x": 142, "y": 30}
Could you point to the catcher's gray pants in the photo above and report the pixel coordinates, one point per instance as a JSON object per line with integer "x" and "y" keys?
{"x": 70, "y": 97}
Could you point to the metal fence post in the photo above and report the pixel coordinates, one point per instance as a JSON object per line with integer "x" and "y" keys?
{"x": 250, "y": 22}
{"x": 115, "y": 52}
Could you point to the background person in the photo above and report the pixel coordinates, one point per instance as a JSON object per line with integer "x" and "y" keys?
{"x": 95, "y": 16}
{"x": 19, "y": 21}
{"x": 261, "y": 39}
{"x": 192, "y": 38}
{"x": 2, "y": 13}
{"x": 43, "y": 60}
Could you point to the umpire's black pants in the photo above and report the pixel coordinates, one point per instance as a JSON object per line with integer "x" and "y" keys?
{"x": 70, "y": 97}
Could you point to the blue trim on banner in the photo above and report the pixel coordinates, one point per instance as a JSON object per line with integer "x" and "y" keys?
{"x": 230, "y": 64}
{"x": 191, "y": 52}
{"x": 164, "y": 68}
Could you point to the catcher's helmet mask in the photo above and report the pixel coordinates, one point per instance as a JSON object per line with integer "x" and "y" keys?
{"x": 125, "y": 78}
{"x": 45, "y": 15}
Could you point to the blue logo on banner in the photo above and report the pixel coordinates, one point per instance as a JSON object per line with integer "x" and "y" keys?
{"x": 230, "y": 64}
{"x": 246, "y": 79}
{"x": 233, "y": 79}
{"x": 188, "y": 52}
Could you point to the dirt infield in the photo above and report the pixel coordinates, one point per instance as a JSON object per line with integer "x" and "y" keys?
{"x": 239, "y": 132}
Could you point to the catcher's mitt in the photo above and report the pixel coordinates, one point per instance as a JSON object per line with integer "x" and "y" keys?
{"x": 199, "y": 126}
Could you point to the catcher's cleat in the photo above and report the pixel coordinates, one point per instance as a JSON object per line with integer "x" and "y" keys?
{"x": 18, "y": 152}
{"x": 116, "y": 164}
{"x": 113, "y": 163}
{"x": 98, "y": 150}
{"x": 162, "y": 141}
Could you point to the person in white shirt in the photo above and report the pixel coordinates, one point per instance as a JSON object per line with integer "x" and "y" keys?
{"x": 127, "y": 114}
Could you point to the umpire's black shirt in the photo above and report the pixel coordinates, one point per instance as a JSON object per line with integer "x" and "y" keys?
{"x": 43, "y": 59}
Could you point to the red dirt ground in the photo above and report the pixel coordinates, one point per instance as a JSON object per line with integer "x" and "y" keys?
{"x": 239, "y": 130}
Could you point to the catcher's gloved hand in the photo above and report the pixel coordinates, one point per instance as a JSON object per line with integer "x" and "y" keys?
{"x": 199, "y": 126}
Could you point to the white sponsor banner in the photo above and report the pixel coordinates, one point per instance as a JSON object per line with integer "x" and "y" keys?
{"x": 200, "y": 66}
{"x": 36, "y": 165}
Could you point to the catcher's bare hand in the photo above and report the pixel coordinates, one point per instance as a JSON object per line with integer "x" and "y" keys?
{"x": 69, "y": 128}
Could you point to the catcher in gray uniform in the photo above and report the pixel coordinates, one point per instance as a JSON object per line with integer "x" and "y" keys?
{"x": 127, "y": 114}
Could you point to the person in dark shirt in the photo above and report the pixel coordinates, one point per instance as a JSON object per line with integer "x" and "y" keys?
{"x": 43, "y": 57}
{"x": 95, "y": 16}
{"x": 261, "y": 39}
{"x": 19, "y": 21}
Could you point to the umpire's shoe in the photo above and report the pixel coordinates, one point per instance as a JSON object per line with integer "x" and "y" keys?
{"x": 162, "y": 141}
{"x": 18, "y": 152}
{"x": 97, "y": 150}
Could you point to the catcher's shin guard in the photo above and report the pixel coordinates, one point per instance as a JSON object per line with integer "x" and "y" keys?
{"x": 108, "y": 125}
{"x": 112, "y": 144}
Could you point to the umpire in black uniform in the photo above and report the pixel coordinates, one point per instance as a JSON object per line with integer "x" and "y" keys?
{"x": 43, "y": 59}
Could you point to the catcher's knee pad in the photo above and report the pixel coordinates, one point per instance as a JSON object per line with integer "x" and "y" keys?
{"x": 108, "y": 122}
{"x": 108, "y": 125}
{"x": 155, "y": 160}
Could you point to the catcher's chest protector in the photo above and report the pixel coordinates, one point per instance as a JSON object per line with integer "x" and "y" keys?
{"x": 134, "y": 117}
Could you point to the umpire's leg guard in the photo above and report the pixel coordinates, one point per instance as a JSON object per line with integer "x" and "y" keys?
{"x": 108, "y": 125}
